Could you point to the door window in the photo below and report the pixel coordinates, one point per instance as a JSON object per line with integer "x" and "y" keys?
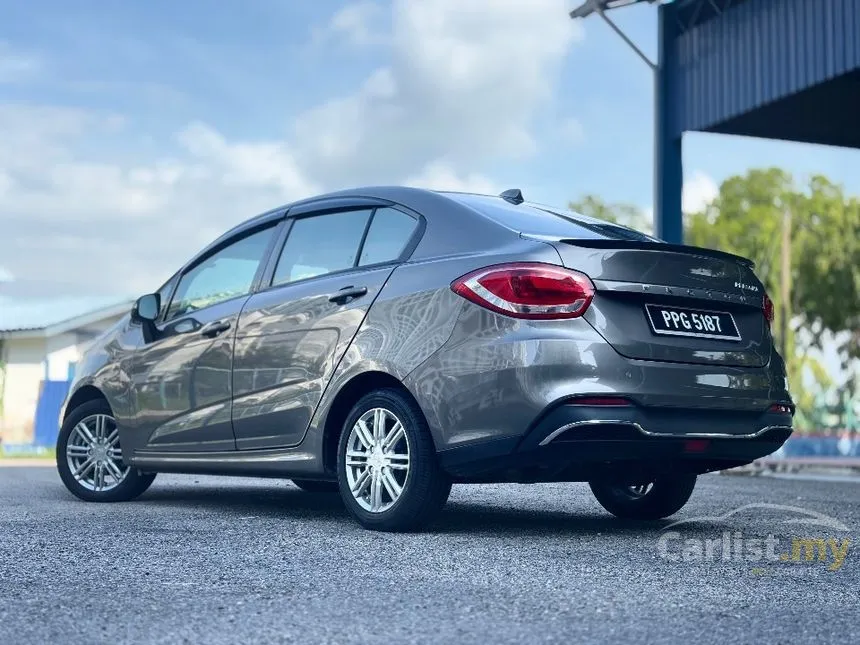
{"x": 390, "y": 232}
{"x": 321, "y": 244}
{"x": 223, "y": 275}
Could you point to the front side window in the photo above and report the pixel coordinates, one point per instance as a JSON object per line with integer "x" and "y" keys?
{"x": 223, "y": 275}
{"x": 390, "y": 232}
{"x": 321, "y": 244}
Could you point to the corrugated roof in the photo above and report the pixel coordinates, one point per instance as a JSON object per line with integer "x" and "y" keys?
{"x": 759, "y": 52}
{"x": 29, "y": 314}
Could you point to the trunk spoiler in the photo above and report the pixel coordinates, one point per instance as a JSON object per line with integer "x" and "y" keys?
{"x": 636, "y": 245}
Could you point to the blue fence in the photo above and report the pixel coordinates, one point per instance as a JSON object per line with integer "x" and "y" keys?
{"x": 817, "y": 445}
{"x": 47, "y": 421}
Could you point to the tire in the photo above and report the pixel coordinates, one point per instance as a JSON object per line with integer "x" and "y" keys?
{"x": 132, "y": 483}
{"x": 665, "y": 497}
{"x": 316, "y": 486}
{"x": 424, "y": 488}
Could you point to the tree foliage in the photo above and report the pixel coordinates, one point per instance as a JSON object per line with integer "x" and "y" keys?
{"x": 616, "y": 212}
{"x": 747, "y": 218}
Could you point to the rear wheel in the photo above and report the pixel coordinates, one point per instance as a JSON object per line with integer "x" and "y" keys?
{"x": 388, "y": 474}
{"x": 662, "y": 497}
{"x": 89, "y": 457}
{"x": 316, "y": 486}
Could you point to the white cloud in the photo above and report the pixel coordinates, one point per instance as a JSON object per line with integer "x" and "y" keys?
{"x": 461, "y": 87}
{"x": 6, "y": 276}
{"x": 256, "y": 164}
{"x": 439, "y": 175}
{"x": 355, "y": 24}
{"x": 699, "y": 191}
{"x": 81, "y": 225}
{"x": 465, "y": 81}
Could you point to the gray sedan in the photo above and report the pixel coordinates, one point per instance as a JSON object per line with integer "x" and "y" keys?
{"x": 387, "y": 342}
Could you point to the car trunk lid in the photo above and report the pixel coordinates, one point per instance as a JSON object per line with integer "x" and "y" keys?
{"x": 670, "y": 302}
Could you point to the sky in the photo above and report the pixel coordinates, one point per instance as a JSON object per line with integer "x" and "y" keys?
{"x": 134, "y": 133}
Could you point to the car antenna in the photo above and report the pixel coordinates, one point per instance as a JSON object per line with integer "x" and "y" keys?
{"x": 512, "y": 195}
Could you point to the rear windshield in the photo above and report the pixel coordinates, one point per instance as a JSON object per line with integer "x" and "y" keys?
{"x": 545, "y": 220}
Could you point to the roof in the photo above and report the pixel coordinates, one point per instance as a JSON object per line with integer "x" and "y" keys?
{"x": 40, "y": 317}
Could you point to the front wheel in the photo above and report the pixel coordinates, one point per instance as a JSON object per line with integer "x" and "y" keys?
{"x": 652, "y": 500}
{"x": 89, "y": 457}
{"x": 388, "y": 474}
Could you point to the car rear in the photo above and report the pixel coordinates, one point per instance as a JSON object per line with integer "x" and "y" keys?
{"x": 620, "y": 352}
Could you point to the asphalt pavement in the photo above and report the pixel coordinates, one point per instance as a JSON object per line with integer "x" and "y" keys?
{"x": 220, "y": 560}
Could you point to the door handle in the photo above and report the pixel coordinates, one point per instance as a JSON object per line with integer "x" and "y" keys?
{"x": 212, "y": 329}
{"x": 346, "y": 294}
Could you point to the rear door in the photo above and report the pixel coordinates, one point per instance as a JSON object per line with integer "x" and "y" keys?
{"x": 291, "y": 336}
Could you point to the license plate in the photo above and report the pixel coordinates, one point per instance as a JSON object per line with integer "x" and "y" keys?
{"x": 698, "y": 323}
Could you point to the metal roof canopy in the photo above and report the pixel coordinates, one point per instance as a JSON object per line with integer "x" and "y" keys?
{"x": 777, "y": 69}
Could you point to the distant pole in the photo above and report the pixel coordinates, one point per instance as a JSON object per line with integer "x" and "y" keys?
{"x": 785, "y": 286}
{"x": 668, "y": 165}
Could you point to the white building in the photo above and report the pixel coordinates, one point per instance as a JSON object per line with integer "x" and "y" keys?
{"x": 43, "y": 340}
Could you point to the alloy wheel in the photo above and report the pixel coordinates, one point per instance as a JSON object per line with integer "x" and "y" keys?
{"x": 94, "y": 455}
{"x": 639, "y": 490}
{"x": 377, "y": 460}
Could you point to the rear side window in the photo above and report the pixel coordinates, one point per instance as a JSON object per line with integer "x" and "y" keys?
{"x": 321, "y": 244}
{"x": 390, "y": 232}
{"x": 543, "y": 220}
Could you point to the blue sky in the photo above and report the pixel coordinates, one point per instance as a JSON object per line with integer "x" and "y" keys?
{"x": 133, "y": 133}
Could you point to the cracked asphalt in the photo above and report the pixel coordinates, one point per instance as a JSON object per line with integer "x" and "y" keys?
{"x": 220, "y": 560}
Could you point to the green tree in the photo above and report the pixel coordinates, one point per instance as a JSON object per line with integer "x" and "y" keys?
{"x": 748, "y": 217}
{"x": 616, "y": 212}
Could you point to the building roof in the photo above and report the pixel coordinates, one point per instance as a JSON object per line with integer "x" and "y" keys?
{"x": 39, "y": 317}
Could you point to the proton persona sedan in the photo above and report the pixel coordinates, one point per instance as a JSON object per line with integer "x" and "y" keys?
{"x": 387, "y": 342}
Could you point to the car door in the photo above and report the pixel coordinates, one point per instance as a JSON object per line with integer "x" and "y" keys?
{"x": 182, "y": 380}
{"x": 292, "y": 335}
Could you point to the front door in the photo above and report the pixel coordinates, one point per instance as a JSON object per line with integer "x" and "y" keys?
{"x": 292, "y": 335}
{"x": 182, "y": 381}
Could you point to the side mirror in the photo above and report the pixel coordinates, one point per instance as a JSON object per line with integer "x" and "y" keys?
{"x": 146, "y": 308}
{"x": 145, "y": 312}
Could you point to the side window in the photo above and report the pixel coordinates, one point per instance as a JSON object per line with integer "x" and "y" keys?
{"x": 223, "y": 275}
{"x": 389, "y": 233}
{"x": 321, "y": 244}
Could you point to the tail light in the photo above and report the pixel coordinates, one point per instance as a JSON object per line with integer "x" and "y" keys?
{"x": 767, "y": 308}
{"x": 528, "y": 290}
{"x": 780, "y": 408}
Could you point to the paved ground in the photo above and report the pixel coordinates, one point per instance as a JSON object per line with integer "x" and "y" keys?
{"x": 216, "y": 560}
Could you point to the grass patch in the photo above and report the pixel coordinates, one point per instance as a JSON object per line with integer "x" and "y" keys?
{"x": 26, "y": 452}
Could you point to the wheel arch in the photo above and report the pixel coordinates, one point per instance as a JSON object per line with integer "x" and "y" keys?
{"x": 82, "y": 395}
{"x": 348, "y": 395}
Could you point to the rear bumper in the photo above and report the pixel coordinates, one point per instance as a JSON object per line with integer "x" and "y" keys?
{"x": 579, "y": 443}
{"x": 495, "y": 376}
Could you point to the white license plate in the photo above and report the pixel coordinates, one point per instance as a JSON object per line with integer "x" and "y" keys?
{"x": 697, "y": 323}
